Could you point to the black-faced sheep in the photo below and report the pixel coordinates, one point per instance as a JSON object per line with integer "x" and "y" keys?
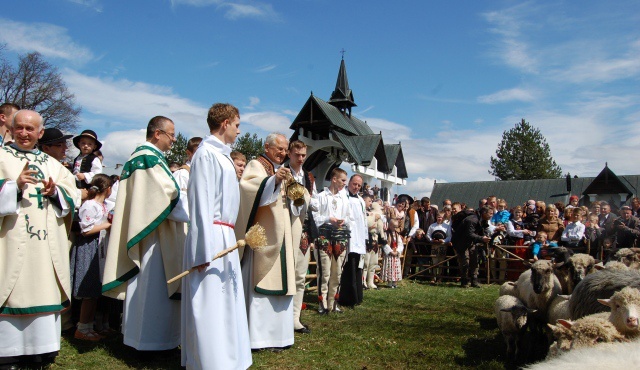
{"x": 625, "y": 307}
{"x": 511, "y": 315}
{"x": 601, "y": 285}
{"x": 538, "y": 286}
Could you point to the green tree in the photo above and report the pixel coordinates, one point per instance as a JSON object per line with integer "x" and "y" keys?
{"x": 249, "y": 145}
{"x": 35, "y": 84}
{"x": 178, "y": 152}
{"x": 523, "y": 154}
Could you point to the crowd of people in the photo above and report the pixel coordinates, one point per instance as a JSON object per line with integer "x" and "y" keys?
{"x": 73, "y": 236}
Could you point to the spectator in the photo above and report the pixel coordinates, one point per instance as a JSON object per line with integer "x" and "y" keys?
{"x": 87, "y": 164}
{"x": 502, "y": 215}
{"x": 7, "y": 111}
{"x": 239, "y": 161}
{"x": 574, "y": 232}
{"x": 627, "y": 228}
{"x": 467, "y": 237}
{"x": 439, "y": 234}
{"x": 551, "y": 224}
{"x": 635, "y": 207}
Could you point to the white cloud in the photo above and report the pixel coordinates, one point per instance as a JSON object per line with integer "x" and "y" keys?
{"x": 421, "y": 187}
{"x": 508, "y": 95}
{"x": 118, "y": 146}
{"x": 91, "y": 4}
{"x": 265, "y": 68}
{"x": 391, "y": 132}
{"x": 268, "y": 121}
{"x": 47, "y": 39}
{"x": 136, "y": 102}
{"x": 236, "y": 10}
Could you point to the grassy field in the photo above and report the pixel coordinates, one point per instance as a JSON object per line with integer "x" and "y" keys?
{"x": 418, "y": 326}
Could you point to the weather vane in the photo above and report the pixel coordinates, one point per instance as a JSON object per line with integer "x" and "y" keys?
{"x": 342, "y": 51}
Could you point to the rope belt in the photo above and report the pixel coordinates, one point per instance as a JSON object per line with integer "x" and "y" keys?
{"x": 224, "y": 224}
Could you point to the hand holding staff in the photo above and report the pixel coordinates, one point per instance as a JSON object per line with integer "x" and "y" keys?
{"x": 255, "y": 238}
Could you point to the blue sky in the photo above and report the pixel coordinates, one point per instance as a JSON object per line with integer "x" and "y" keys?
{"x": 445, "y": 78}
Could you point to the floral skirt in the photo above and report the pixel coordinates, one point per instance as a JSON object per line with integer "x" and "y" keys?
{"x": 391, "y": 268}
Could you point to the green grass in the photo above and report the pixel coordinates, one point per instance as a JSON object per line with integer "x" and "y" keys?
{"x": 417, "y": 326}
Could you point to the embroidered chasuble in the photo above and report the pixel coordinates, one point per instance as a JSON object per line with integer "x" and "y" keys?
{"x": 34, "y": 245}
{"x": 147, "y": 195}
{"x": 273, "y": 270}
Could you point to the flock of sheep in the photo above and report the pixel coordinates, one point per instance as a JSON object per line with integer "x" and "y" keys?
{"x": 587, "y": 311}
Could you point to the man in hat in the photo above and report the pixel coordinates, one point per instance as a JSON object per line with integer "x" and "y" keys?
{"x": 54, "y": 143}
{"x": 87, "y": 164}
{"x": 37, "y": 199}
{"x": 7, "y": 111}
{"x": 268, "y": 274}
{"x": 146, "y": 244}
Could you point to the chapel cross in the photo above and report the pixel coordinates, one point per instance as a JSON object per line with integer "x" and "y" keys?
{"x": 342, "y": 51}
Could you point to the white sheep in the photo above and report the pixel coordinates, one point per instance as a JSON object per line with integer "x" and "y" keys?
{"x": 511, "y": 315}
{"x": 611, "y": 265}
{"x": 585, "y": 332}
{"x": 625, "y": 307}
{"x": 579, "y": 266}
{"x": 600, "y": 286}
{"x": 508, "y": 288}
{"x": 559, "y": 309}
{"x": 604, "y": 356}
{"x": 538, "y": 286}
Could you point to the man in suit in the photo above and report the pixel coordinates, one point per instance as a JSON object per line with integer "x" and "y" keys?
{"x": 627, "y": 228}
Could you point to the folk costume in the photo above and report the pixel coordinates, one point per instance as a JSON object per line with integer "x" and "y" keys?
{"x": 351, "y": 279}
{"x": 391, "y": 268}
{"x": 34, "y": 253}
{"x": 215, "y": 334}
{"x": 89, "y": 165}
{"x": 145, "y": 250}
{"x": 268, "y": 273}
{"x": 304, "y": 232}
{"x": 375, "y": 236}
{"x": 331, "y": 245}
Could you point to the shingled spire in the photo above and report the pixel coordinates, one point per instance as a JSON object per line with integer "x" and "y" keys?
{"x": 342, "y": 96}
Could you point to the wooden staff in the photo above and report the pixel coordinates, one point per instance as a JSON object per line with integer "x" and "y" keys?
{"x": 255, "y": 238}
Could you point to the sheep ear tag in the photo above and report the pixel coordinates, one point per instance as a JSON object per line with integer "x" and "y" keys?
{"x": 605, "y": 302}
{"x": 566, "y": 323}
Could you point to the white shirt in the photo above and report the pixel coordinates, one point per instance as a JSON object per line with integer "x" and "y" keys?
{"x": 332, "y": 205}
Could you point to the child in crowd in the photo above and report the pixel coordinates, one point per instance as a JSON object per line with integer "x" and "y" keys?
{"x": 391, "y": 268}
{"x": 574, "y": 232}
{"x": 538, "y": 248}
{"x": 439, "y": 234}
{"x": 239, "y": 161}
{"x": 592, "y": 234}
{"x": 502, "y": 215}
{"x": 87, "y": 164}
{"x": 85, "y": 255}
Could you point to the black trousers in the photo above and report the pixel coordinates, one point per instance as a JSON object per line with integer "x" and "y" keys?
{"x": 350, "y": 293}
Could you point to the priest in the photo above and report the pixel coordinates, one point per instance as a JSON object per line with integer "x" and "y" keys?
{"x": 147, "y": 243}
{"x": 37, "y": 200}
{"x": 268, "y": 273}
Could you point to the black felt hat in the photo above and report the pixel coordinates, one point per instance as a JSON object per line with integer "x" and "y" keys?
{"x": 90, "y": 134}
{"x": 53, "y": 136}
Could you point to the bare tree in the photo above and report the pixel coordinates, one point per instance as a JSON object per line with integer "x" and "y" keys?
{"x": 36, "y": 84}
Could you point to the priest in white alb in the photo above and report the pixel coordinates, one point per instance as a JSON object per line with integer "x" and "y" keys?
{"x": 146, "y": 244}
{"x": 268, "y": 273}
{"x": 37, "y": 199}
{"x": 215, "y": 334}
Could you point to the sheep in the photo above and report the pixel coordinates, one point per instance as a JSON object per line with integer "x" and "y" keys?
{"x": 508, "y": 288}
{"x": 606, "y": 355}
{"x": 602, "y": 285}
{"x": 611, "y": 265}
{"x": 625, "y": 307}
{"x": 538, "y": 286}
{"x": 580, "y": 265}
{"x": 511, "y": 315}
{"x": 558, "y": 309}
{"x": 627, "y": 256}
{"x": 585, "y": 332}
{"x": 561, "y": 256}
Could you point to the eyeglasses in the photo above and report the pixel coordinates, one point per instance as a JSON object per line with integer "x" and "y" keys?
{"x": 171, "y": 136}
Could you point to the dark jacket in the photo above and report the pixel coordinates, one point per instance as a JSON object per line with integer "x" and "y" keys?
{"x": 626, "y": 237}
{"x": 468, "y": 230}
